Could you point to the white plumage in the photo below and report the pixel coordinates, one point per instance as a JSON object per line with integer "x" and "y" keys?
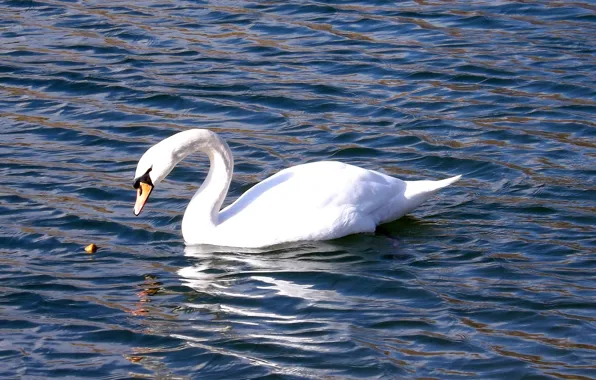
{"x": 315, "y": 201}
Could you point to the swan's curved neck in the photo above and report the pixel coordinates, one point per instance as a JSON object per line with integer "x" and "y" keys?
{"x": 202, "y": 213}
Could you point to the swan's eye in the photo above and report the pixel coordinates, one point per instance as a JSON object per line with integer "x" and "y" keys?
{"x": 144, "y": 178}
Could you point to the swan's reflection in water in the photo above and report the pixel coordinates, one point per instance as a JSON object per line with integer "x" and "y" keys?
{"x": 280, "y": 309}
{"x": 309, "y": 272}
{"x": 220, "y": 269}
{"x": 256, "y": 305}
{"x": 293, "y": 282}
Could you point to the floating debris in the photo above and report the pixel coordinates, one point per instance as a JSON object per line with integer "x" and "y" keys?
{"x": 134, "y": 359}
{"x": 91, "y": 248}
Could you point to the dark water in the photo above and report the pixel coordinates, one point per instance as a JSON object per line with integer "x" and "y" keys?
{"x": 493, "y": 278}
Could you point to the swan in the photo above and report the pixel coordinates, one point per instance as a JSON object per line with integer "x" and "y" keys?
{"x": 314, "y": 201}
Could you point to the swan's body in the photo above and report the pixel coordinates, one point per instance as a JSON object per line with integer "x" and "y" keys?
{"x": 315, "y": 201}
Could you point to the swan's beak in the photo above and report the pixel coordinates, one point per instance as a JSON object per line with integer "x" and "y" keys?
{"x": 143, "y": 193}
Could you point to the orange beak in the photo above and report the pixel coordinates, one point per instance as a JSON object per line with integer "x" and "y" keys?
{"x": 143, "y": 193}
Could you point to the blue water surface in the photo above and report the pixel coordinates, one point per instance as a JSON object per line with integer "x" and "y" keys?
{"x": 491, "y": 279}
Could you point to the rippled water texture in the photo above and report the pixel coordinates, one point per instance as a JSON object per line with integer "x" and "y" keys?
{"x": 492, "y": 278}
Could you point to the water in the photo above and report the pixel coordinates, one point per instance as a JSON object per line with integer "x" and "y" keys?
{"x": 493, "y": 278}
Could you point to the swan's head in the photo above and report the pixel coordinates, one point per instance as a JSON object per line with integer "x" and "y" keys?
{"x": 157, "y": 162}
{"x": 160, "y": 159}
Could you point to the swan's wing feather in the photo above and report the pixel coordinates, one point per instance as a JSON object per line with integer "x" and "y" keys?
{"x": 315, "y": 195}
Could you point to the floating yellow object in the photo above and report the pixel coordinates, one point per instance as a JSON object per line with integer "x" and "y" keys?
{"x": 135, "y": 359}
{"x": 91, "y": 248}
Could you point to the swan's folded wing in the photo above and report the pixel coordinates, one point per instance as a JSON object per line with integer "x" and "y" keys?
{"x": 314, "y": 196}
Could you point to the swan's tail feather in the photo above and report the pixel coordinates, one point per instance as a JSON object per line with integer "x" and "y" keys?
{"x": 446, "y": 182}
{"x": 416, "y": 188}
{"x": 419, "y": 191}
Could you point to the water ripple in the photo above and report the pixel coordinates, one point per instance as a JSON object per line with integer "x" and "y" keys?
{"x": 491, "y": 279}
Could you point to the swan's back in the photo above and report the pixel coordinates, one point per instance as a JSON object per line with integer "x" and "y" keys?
{"x": 319, "y": 200}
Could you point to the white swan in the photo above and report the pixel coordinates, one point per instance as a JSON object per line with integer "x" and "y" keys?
{"x": 315, "y": 201}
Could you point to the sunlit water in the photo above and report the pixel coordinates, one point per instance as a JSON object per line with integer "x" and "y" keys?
{"x": 492, "y": 278}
